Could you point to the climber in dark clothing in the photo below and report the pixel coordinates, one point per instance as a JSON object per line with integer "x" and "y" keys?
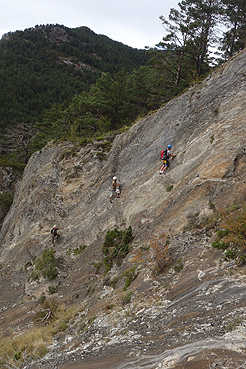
{"x": 54, "y": 232}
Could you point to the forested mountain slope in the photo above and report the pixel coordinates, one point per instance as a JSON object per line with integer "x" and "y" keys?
{"x": 50, "y": 64}
{"x": 163, "y": 299}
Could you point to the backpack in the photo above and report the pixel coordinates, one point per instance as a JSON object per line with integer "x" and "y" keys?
{"x": 54, "y": 231}
{"x": 164, "y": 155}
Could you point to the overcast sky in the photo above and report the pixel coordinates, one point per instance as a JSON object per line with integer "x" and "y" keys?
{"x": 133, "y": 22}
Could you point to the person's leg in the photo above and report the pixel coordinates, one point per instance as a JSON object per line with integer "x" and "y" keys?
{"x": 166, "y": 166}
{"x": 162, "y": 169}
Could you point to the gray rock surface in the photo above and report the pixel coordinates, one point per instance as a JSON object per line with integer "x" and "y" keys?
{"x": 178, "y": 319}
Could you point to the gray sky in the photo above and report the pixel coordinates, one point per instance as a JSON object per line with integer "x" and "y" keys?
{"x": 133, "y": 22}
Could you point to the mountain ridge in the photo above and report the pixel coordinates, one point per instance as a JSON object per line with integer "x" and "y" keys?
{"x": 50, "y": 64}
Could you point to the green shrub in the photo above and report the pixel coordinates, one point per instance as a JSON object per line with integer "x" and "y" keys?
{"x": 98, "y": 265}
{"x": 46, "y": 265}
{"x": 211, "y": 205}
{"x": 76, "y": 251}
{"x": 114, "y": 281}
{"x": 17, "y": 356}
{"x": 169, "y": 188}
{"x": 111, "y": 282}
{"x": 127, "y": 298}
{"x": 222, "y": 232}
{"x": 52, "y": 289}
{"x": 42, "y": 299}
{"x": 116, "y": 246}
{"x": 230, "y": 254}
{"x": 178, "y": 266}
{"x": 79, "y": 250}
{"x": 234, "y": 324}
{"x": 220, "y": 245}
{"x": 231, "y": 236}
{"x": 130, "y": 276}
{"x": 241, "y": 260}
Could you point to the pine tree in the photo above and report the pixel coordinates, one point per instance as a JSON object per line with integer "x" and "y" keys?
{"x": 234, "y": 16}
{"x": 174, "y": 45}
{"x": 203, "y": 15}
{"x": 191, "y": 31}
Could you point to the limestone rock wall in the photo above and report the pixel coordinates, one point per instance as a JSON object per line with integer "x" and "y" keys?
{"x": 70, "y": 187}
{"x": 206, "y": 127}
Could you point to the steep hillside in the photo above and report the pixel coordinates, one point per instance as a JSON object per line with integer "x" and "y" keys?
{"x": 50, "y": 64}
{"x": 190, "y": 316}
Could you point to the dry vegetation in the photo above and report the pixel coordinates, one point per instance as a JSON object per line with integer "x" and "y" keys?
{"x": 33, "y": 344}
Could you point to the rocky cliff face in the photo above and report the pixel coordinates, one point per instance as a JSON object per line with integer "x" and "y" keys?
{"x": 180, "y": 317}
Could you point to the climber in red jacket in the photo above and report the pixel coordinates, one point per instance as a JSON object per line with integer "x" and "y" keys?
{"x": 166, "y": 154}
